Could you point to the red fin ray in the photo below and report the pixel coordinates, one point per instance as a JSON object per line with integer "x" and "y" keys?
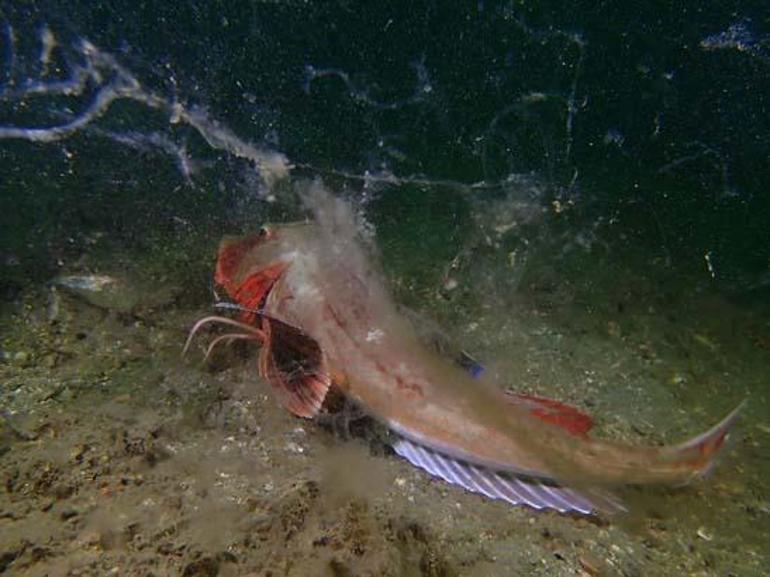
{"x": 554, "y": 412}
{"x": 293, "y": 364}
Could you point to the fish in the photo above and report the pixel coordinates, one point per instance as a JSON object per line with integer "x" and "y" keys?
{"x": 85, "y": 283}
{"x": 312, "y": 296}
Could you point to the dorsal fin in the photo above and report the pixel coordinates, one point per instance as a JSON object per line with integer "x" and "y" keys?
{"x": 554, "y": 412}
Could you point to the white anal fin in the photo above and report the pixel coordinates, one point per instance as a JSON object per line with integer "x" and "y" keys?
{"x": 500, "y": 485}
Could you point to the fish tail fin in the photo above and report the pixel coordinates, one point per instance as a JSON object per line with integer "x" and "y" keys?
{"x": 701, "y": 451}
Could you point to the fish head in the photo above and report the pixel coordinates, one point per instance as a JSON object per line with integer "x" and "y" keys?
{"x": 259, "y": 259}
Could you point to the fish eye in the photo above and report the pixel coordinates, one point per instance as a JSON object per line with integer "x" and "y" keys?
{"x": 264, "y": 232}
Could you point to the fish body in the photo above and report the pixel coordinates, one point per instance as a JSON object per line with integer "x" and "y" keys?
{"x": 328, "y": 324}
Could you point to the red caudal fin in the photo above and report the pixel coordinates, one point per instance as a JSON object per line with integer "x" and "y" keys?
{"x": 554, "y": 412}
{"x": 700, "y": 452}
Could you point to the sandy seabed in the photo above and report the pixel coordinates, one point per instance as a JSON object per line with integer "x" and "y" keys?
{"x": 118, "y": 457}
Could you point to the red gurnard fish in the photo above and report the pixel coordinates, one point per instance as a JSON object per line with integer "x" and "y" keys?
{"x": 311, "y": 296}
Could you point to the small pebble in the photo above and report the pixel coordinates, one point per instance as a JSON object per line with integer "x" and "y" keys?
{"x": 293, "y": 447}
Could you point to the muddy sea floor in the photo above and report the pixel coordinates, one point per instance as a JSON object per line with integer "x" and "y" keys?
{"x": 118, "y": 457}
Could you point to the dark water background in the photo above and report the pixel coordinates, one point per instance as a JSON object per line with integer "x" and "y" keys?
{"x": 638, "y": 127}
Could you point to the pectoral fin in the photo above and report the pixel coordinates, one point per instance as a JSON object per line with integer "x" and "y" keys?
{"x": 292, "y": 362}
{"x": 516, "y": 490}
